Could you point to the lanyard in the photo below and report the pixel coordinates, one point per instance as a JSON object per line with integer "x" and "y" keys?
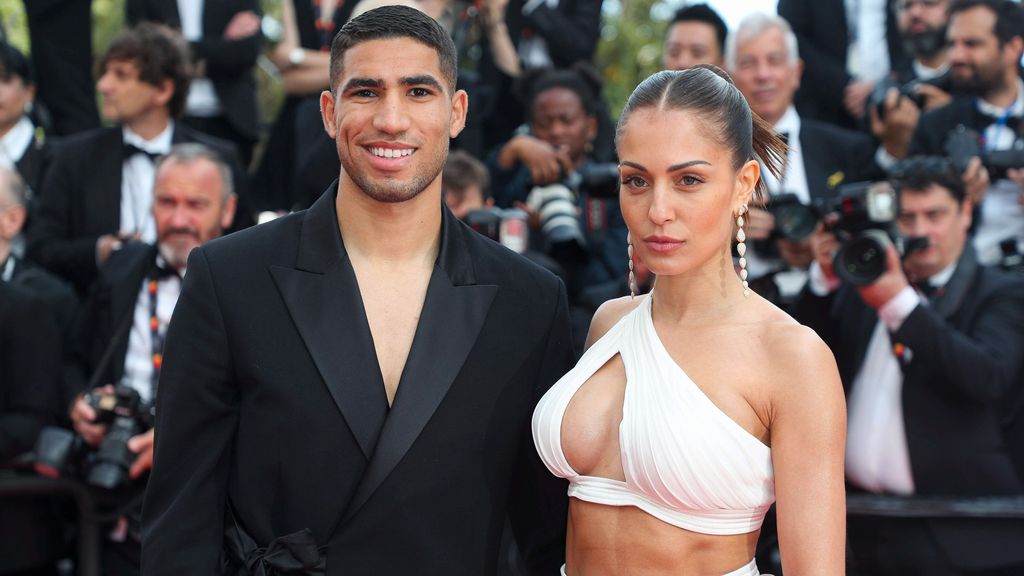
{"x": 157, "y": 338}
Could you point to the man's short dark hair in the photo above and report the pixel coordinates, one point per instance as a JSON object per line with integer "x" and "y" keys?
{"x": 705, "y": 14}
{"x": 388, "y": 22}
{"x": 160, "y": 54}
{"x": 1009, "y": 16}
{"x": 922, "y": 172}
{"x": 462, "y": 171}
{"x": 14, "y": 64}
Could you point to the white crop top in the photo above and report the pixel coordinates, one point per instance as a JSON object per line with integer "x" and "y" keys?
{"x": 685, "y": 461}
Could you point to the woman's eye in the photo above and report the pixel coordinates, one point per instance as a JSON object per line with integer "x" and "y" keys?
{"x": 690, "y": 180}
{"x": 634, "y": 182}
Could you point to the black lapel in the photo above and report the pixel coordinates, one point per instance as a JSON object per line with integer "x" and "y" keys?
{"x": 324, "y": 302}
{"x": 109, "y": 166}
{"x": 453, "y": 314}
{"x": 170, "y": 14}
{"x": 125, "y": 273}
{"x": 815, "y": 162}
{"x": 956, "y": 289}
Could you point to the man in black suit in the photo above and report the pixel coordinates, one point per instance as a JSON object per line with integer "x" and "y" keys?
{"x": 30, "y": 359}
{"x": 847, "y": 46}
{"x": 763, "y": 60}
{"x": 98, "y": 192}
{"x": 225, "y": 41}
{"x": 986, "y": 41}
{"x": 348, "y": 389}
{"x": 124, "y": 322}
{"x": 928, "y": 372}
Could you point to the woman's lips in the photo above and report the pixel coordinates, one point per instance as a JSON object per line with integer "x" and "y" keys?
{"x": 662, "y": 244}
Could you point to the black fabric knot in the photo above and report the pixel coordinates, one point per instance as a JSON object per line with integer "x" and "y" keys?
{"x": 292, "y": 554}
{"x": 927, "y": 289}
{"x": 784, "y": 136}
{"x": 131, "y": 150}
{"x": 161, "y": 270}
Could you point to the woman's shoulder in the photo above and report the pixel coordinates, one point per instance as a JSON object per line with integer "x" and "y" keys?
{"x": 794, "y": 357}
{"x": 609, "y": 314}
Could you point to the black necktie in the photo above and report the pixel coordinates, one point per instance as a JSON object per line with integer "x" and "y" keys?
{"x": 131, "y": 150}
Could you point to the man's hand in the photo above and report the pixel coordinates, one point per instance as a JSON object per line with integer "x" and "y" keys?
{"x": 856, "y": 95}
{"x": 759, "y": 224}
{"x": 143, "y": 446}
{"x": 242, "y": 25}
{"x": 83, "y": 418}
{"x": 976, "y": 180}
{"x": 823, "y": 246}
{"x": 888, "y": 285}
{"x": 901, "y": 116}
{"x": 546, "y": 163}
{"x": 934, "y": 97}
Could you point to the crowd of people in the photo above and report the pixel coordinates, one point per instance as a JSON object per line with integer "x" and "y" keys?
{"x": 824, "y": 202}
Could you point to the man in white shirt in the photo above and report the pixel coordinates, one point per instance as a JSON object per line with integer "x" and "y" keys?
{"x": 98, "y": 192}
{"x": 931, "y": 354}
{"x": 125, "y": 321}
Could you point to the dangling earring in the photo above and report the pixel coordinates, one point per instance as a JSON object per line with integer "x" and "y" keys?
{"x": 632, "y": 277}
{"x": 741, "y": 249}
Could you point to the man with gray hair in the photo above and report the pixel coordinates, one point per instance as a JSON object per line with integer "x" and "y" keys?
{"x": 763, "y": 60}
{"x": 122, "y": 328}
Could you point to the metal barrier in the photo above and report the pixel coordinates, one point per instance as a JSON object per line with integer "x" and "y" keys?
{"x": 88, "y": 545}
{"x": 859, "y": 504}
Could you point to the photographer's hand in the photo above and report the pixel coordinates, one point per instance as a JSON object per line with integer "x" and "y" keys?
{"x": 934, "y": 97}
{"x": 895, "y": 131}
{"x": 83, "y": 419}
{"x": 976, "y": 180}
{"x": 888, "y": 285}
{"x": 856, "y": 95}
{"x": 546, "y": 164}
{"x": 760, "y": 223}
{"x": 143, "y": 446}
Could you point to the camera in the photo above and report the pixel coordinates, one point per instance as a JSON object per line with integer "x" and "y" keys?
{"x": 794, "y": 220}
{"x": 557, "y": 204}
{"x": 863, "y": 217}
{"x": 909, "y": 90}
{"x": 505, "y": 226}
{"x": 964, "y": 143}
{"x": 595, "y": 179}
{"x": 61, "y": 452}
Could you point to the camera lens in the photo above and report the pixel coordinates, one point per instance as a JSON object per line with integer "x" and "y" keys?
{"x": 862, "y": 260}
{"x": 795, "y": 221}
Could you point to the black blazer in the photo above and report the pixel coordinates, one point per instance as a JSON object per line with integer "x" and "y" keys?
{"x": 80, "y": 199}
{"x": 966, "y": 359}
{"x": 104, "y": 319}
{"x": 229, "y": 63}
{"x": 822, "y": 36}
{"x": 272, "y": 409}
{"x": 834, "y": 156}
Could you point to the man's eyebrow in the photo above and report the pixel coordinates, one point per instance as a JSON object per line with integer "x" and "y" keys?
{"x": 422, "y": 80}
{"x": 363, "y": 83}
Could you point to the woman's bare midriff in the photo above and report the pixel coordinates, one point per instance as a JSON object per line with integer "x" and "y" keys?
{"x": 624, "y": 540}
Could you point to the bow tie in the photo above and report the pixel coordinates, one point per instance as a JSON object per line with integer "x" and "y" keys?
{"x": 162, "y": 270}
{"x": 131, "y": 150}
{"x": 927, "y": 289}
{"x": 784, "y": 136}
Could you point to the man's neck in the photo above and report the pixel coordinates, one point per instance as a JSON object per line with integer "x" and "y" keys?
{"x": 150, "y": 124}
{"x": 935, "y": 61}
{"x": 1005, "y": 95}
{"x": 386, "y": 232}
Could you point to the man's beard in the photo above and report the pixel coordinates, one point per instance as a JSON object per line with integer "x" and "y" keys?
{"x": 389, "y": 191}
{"x": 979, "y": 83}
{"x": 925, "y": 44}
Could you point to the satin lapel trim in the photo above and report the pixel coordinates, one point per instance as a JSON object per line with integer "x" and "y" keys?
{"x": 328, "y": 312}
{"x": 449, "y": 325}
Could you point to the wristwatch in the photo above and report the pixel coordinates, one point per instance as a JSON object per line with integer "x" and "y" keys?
{"x": 296, "y": 56}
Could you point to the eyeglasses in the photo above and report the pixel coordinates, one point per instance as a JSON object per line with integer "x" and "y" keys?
{"x": 904, "y": 5}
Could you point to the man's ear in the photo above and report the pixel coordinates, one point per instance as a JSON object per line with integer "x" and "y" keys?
{"x": 327, "y": 113}
{"x": 460, "y": 108}
{"x": 165, "y": 91}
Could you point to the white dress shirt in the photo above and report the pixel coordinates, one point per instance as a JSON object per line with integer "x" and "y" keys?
{"x": 17, "y": 140}
{"x": 137, "y": 175}
{"x": 867, "y": 55}
{"x": 1002, "y": 215}
{"x": 202, "y": 98}
{"x": 138, "y": 362}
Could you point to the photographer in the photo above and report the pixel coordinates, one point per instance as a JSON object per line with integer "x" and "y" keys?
{"x": 928, "y": 372}
{"x": 985, "y": 46}
{"x": 125, "y": 320}
{"x": 550, "y": 173}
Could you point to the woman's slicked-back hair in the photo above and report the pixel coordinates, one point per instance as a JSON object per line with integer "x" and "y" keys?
{"x": 710, "y": 94}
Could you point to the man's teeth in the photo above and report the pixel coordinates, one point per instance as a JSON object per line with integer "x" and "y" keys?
{"x": 391, "y": 152}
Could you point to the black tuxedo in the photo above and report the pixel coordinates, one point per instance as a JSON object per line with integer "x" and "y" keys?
{"x": 107, "y": 315}
{"x": 934, "y": 127}
{"x": 229, "y": 64}
{"x": 80, "y": 199}
{"x": 822, "y": 35}
{"x": 834, "y": 156}
{"x": 272, "y": 408}
{"x": 966, "y": 358}
{"x": 33, "y": 164}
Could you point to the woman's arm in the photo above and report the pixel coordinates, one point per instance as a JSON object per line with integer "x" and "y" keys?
{"x": 808, "y": 436}
{"x": 309, "y": 76}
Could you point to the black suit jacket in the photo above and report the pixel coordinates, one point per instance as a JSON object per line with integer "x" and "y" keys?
{"x": 822, "y": 35}
{"x": 106, "y": 317}
{"x": 834, "y": 156}
{"x": 965, "y": 362}
{"x": 272, "y": 406}
{"x": 934, "y": 127}
{"x": 80, "y": 199}
{"x": 228, "y": 63}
